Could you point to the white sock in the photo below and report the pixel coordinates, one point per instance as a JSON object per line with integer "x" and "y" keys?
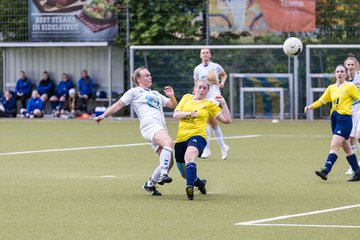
{"x": 353, "y": 148}
{"x": 165, "y": 158}
{"x": 219, "y": 136}
{"x": 154, "y": 177}
{"x": 208, "y": 134}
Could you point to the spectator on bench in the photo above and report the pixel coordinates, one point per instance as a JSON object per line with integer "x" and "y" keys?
{"x": 8, "y": 104}
{"x": 34, "y": 106}
{"x": 46, "y": 87}
{"x": 61, "y": 95}
{"x": 23, "y": 89}
{"x": 85, "y": 89}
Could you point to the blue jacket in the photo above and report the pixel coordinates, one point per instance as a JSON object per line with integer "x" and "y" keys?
{"x": 34, "y": 103}
{"x": 9, "y": 105}
{"x": 64, "y": 87}
{"x": 46, "y": 86}
{"x": 24, "y": 86}
{"x": 86, "y": 88}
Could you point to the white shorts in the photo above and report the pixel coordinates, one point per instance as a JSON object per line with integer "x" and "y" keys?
{"x": 214, "y": 91}
{"x": 149, "y": 130}
{"x": 355, "y": 123}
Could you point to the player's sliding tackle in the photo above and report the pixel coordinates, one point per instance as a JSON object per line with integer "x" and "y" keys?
{"x": 148, "y": 106}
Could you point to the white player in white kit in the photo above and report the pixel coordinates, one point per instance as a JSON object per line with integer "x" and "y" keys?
{"x": 148, "y": 106}
{"x": 202, "y": 72}
{"x": 354, "y": 76}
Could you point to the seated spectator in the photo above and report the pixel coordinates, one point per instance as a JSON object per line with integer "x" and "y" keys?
{"x": 34, "y": 107}
{"x": 23, "y": 89}
{"x": 46, "y": 87}
{"x": 61, "y": 95}
{"x": 85, "y": 89}
{"x": 8, "y": 104}
{"x": 71, "y": 106}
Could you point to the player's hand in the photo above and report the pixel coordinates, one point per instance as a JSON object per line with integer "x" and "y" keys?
{"x": 307, "y": 109}
{"x": 99, "y": 119}
{"x": 193, "y": 114}
{"x": 169, "y": 91}
{"x": 221, "y": 85}
{"x": 219, "y": 98}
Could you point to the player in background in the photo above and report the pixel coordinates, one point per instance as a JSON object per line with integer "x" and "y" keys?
{"x": 193, "y": 112}
{"x": 341, "y": 94}
{"x": 148, "y": 106}
{"x": 200, "y": 73}
{"x": 354, "y": 76}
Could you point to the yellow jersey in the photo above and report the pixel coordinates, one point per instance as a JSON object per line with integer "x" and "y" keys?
{"x": 341, "y": 97}
{"x": 190, "y": 126}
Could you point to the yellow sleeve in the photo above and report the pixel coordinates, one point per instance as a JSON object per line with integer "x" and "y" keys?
{"x": 354, "y": 93}
{"x": 214, "y": 109}
{"x": 182, "y": 102}
{"x": 326, "y": 97}
{"x": 316, "y": 104}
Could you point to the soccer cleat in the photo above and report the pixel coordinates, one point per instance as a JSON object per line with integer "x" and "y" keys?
{"x": 152, "y": 190}
{"x": 164, "y": 179}
{"x": 225, "y": 152}
{"x": 322, "y": 174}
{"x": 349, "y": 172}
{"x": 202, "y": 189}
{"x": 355, "y": 178}
{"x": 190, "y": 192}
{"x": 206, "y": 153}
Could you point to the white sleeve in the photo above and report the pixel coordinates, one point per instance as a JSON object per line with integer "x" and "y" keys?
{"x": 128, "y": 96}
{"x": 196, "y": 74}
{"x": 164, "y": 100}
{"x": 219, "y": 69}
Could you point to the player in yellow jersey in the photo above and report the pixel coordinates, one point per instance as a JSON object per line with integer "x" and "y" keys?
{"x": 193, "y": 112}
{"x": 341, "y": 94}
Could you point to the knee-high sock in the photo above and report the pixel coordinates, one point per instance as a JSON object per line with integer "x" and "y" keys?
{"x": 191, "y": 173}
{"x": 353, "y": 163}
{"x": 330, "y": 161}
{"x": 208, "y": 136}
{"x": 219, "y": 136}
{"x": 353, "y": 148}
{"x": 165, "y": 158}
{"x": 154, "y": 177}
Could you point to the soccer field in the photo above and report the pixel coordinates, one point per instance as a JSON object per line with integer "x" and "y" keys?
{"x": 76, "y": 180}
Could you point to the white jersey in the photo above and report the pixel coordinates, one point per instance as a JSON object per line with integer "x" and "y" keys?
{"x": 200, "y": 73}
{"x": 356, "y": 105}
{"x": 202, "y": 70}
{"x": 148, "y": 106}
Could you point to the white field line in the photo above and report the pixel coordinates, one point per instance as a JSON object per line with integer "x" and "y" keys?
{"x": 301, "y": 225}
{"x": 102, "y": 147}
{"x": 261, "y": 222}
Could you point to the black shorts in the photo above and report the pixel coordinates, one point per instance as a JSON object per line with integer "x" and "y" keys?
{"x": 180, "y": 148}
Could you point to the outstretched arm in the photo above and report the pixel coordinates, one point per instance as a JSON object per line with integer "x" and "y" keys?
{"x": 315, "y": 104}
{"x": 111, "y": 110}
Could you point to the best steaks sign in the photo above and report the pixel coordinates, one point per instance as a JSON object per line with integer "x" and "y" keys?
{"x": 73, "y": 20}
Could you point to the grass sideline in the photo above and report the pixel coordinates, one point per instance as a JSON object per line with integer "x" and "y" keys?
{"x": 64, "y": 195}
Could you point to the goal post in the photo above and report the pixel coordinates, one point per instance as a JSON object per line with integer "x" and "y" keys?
{"x": 233, "y": 58}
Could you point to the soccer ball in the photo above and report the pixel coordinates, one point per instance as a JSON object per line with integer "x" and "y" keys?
{"x": 292, "y": 47}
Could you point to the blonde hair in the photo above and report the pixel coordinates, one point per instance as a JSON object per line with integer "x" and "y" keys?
{"x": 136, "y": 74}
{"x": 212, "y": 77}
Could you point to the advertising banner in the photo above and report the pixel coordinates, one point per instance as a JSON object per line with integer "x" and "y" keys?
{"x": 259, "y": 16}
{"x": 72, "y": 20}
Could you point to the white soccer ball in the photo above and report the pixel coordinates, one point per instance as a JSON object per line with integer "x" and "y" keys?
{"x": 292, "y": 47}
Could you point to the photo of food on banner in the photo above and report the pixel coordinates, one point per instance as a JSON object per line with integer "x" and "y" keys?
{"x": 96, "y": 15}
